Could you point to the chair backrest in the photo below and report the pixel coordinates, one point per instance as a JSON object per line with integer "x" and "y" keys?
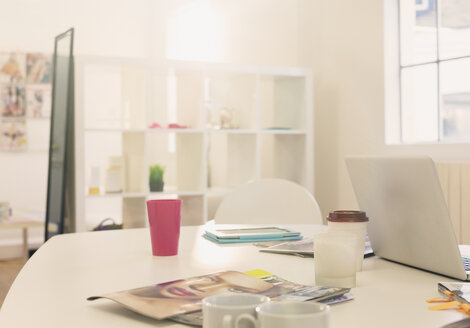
{"x": 268, "y": 201}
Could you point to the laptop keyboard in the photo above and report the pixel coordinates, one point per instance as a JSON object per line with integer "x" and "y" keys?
{"x": 466, "y": 263}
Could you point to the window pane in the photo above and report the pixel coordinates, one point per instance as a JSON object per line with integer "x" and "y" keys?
{"x": 418, "y": 39}
{"x": 419, "y": 104}
{"x": 455, "y": 93}
{"x": 454, "y": 32}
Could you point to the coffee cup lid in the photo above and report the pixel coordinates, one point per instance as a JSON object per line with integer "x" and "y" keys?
{"x": 347, "y": 216}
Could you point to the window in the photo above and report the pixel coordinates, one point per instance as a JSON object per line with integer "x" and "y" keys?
{"x": 434, "y": 71}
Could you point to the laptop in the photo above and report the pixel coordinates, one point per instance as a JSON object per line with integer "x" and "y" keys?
{"x": 409, "y": 220}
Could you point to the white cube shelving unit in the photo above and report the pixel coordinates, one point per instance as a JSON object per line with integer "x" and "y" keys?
{"x": 118, "y": 99}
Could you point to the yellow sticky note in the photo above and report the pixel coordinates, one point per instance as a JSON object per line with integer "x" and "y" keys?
{"x": 445, "y": 306}
{"x": 258, "y": 273}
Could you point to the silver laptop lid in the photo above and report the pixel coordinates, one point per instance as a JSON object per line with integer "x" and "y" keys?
{"x": 409, "y": 220}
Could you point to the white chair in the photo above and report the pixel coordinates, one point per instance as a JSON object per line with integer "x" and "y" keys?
{"x": 268, "y": 201}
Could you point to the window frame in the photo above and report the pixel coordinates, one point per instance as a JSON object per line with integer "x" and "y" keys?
{"x": 393, "y": 77}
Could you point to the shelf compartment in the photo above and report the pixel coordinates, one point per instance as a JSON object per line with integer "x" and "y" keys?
{"x": 232, "y": 159}
{"x": 100, "y": 208}
{"x": 192, "y": 211}
{"x": 114, "y": 130}
{"x": 230, "y": 100}
{"x": 100, "y": 147}
{"x": 213, "y": 199}
{"x": 176, "y": 192}
{"x": 282, "y": 102}
{"x": 284, "y": 157}
{"x": 176, "y": 97}
{"x": 164, "y": 130}
{"x": 192, "y": 208}
{"x": 283, "y": 131}
{"x": 232, "y": 131}
{"x": 114, "y": 97}
{"x": 133, "y": 150}
{"x": 103, "y": 145}
{"x": 117, "y": 195}
{"x": 182, "y": 156}
{"x": 134, "y": 212}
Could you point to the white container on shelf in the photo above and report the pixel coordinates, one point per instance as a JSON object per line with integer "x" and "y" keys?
{"x": 115, "y": 174}
{"x": 94, "y": 186}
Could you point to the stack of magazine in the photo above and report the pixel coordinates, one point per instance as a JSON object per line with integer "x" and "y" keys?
{"x": 180, "y": 300}
{"x": 226, "y": 235}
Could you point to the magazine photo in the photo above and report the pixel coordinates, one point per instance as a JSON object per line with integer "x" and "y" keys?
{"x": 12, "y": 101}
{"x": 13, "y": 135}
{"x": 12, "y": 68}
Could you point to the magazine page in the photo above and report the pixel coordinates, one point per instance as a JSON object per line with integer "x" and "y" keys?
{"x": 163, "y": 300}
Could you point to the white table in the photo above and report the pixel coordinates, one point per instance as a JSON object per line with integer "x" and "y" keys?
{"x": 52, "y": 288}
{"x": 24, "y": 224}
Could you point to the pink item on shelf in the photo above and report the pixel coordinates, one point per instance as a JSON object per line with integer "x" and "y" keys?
{"x": 177, "y": 126}
{"x": 155, "y": 126}
{"x": 165, "y": 221}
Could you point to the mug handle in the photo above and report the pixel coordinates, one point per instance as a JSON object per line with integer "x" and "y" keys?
{"x": 247, "y": 317}
{"x": 226, "y": 321}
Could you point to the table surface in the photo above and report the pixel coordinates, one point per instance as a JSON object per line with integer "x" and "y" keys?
{"x": 16, "y": 222}
{"x": 52, "y": 288}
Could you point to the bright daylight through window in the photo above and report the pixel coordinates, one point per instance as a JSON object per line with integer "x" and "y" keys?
{"x": 434, "y": 64}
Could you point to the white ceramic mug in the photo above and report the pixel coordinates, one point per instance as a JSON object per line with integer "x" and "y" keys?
{"x": 231, "y": 310}
{"x": 293, "y": 314}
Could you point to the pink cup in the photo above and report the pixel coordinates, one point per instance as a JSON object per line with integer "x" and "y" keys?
{"x": 165, "y": 221}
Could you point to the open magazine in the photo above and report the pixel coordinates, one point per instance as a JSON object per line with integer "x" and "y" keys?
{"x": 303, "y": 248}
{"x": 180, "y": 300}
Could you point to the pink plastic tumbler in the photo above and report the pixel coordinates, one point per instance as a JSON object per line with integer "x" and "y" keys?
{"x": 165, "y": 221}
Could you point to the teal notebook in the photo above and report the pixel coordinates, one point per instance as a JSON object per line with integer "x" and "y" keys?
{"x": 224, "y": 235}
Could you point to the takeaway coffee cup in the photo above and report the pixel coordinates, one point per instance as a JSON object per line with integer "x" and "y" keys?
{"x": 231, "y": 310}
{"x": 353, "y": 222}
{"x": 165, "y": 222}
{"x": 293, "y": 314}
{"x": 335, "y": 259}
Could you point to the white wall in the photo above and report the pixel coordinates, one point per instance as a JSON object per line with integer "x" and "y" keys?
{"x": 259, "y": 32}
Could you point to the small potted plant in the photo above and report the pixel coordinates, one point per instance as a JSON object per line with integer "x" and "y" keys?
{"x": 156, "y": 177}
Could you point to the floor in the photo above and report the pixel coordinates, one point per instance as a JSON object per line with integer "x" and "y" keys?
{"x": 8, "y": 272}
